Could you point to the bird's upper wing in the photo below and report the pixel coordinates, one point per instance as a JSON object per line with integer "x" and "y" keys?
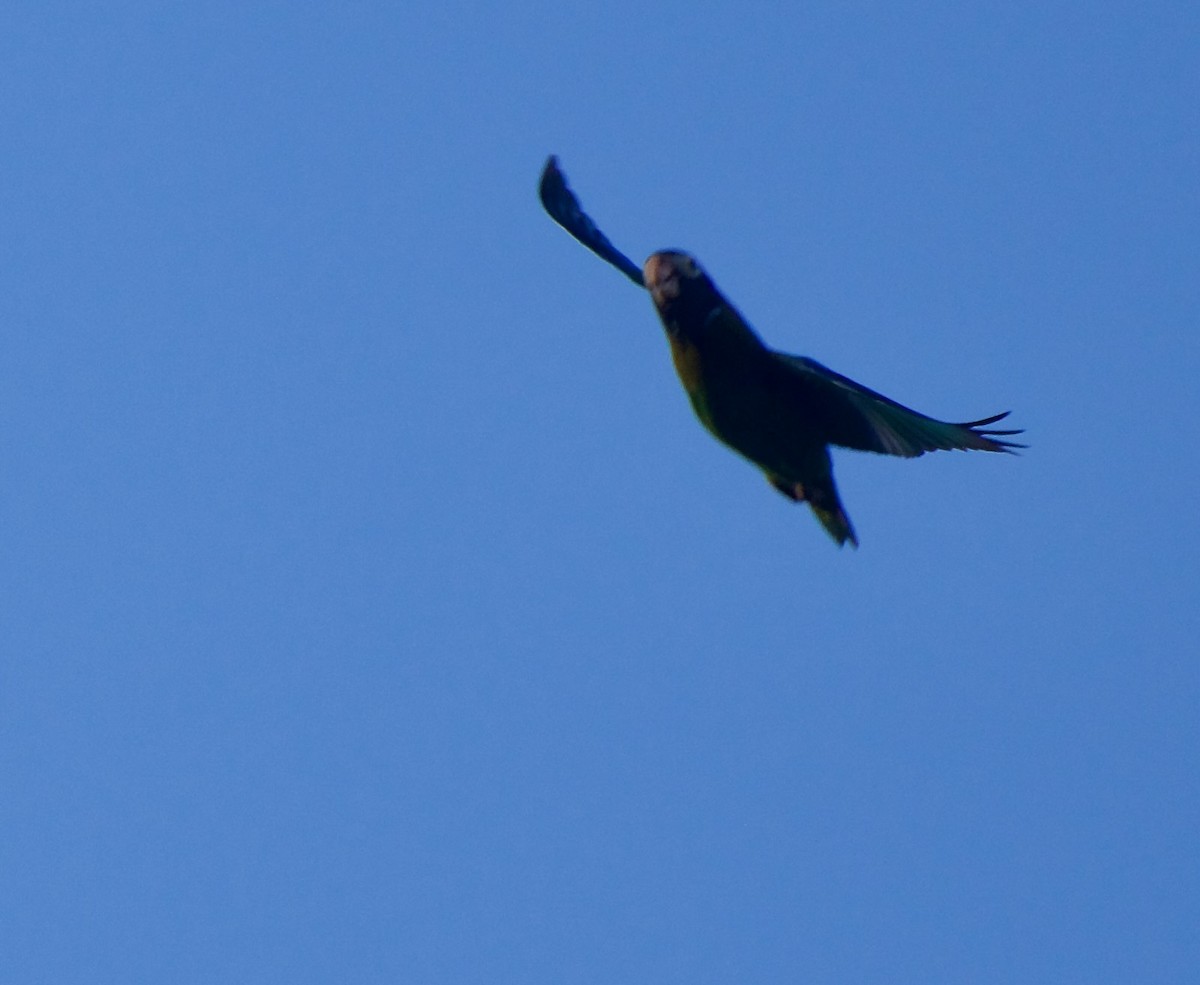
{"x": 564, "y": 208}
{"x": 853, "y": 416}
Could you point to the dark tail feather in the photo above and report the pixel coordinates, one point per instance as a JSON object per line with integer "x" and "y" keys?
{"x": 825, "y": 504}
{"x": 834, "y": 519}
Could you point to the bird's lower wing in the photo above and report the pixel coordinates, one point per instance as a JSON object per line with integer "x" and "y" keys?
{"x": 853, "y": 416}
{"x": 564, "y": 208}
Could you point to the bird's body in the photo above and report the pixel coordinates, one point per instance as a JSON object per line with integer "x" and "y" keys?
{"x": 781, "y": 412}
{"x": 740, "y": 390}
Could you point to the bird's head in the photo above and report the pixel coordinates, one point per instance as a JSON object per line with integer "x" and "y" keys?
{"x": 666, "y": 273}
{"x": 681, "y": 290}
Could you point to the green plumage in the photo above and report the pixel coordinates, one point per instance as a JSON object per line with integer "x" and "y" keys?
{"x": 781, "y": 412}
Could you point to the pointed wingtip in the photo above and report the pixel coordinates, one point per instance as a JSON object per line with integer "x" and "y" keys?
{"x": 551, "y": 181}
{"x": 564, "y": 208}
{"x": 994, "y": 436}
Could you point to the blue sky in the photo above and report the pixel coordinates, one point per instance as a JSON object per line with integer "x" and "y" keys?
{"x": 375, "y": 610}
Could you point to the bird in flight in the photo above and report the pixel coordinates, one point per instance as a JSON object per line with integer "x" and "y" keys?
{"x": 781, "y": 412}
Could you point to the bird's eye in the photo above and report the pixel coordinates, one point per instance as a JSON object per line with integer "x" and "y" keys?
{"x": 690, "y": 267}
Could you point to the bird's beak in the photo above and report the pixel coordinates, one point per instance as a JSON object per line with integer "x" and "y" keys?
{"x": 662, "y": 279}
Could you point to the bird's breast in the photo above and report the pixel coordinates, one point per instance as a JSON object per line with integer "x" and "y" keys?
{"x": 686, "y": 357}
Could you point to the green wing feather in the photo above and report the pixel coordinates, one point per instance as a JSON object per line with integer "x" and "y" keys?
{"x": 854, "y": 416}
{"x": 564, "y": 208}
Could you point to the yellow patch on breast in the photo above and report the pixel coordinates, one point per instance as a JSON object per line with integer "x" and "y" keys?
{"x": 687, "y": 364}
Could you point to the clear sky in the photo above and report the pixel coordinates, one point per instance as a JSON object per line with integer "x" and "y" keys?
{"x": 372, "y": 608}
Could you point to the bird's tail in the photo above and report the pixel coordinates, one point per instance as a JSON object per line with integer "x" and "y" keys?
{"x": 827, "y": 508}
{"x": 826, "y": 505}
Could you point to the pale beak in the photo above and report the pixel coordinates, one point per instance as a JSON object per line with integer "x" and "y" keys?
{"x": 662, "y": 279}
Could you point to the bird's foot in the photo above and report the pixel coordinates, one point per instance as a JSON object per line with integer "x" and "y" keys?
{"x": 792, "y": 490}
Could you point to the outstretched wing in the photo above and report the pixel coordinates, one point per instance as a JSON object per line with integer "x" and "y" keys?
{"x": 853, "y": 416}
{"x": 564, "y": 208}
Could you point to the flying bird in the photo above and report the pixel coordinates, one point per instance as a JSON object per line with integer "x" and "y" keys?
{"x": 779, "y": 411}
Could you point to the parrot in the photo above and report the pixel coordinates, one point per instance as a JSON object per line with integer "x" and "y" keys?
{"x": 780, "y": 412}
